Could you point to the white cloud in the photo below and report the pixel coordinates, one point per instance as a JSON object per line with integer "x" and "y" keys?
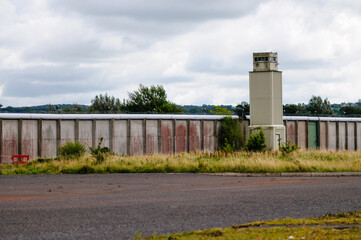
{"x": 53, "y": 51}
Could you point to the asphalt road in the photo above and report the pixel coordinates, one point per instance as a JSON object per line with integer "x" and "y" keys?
{"x": 116, "y": 206}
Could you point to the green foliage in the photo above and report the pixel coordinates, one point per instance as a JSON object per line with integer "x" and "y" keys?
{"x": 150, "y": 99}
{"x": 242, "y": 109}
{"x": 350, "y": 110}
{"x": 318, "y": 106}
{"x": 256, "y": 142}
{"x": 295, "y": 109}
{"x": 285, "y": 149}
{"x": 100, "y": 153}
{"x": 221, "y": 111}
{"x": 105, "y": 104}
{"x": 230, "y": 136}
{"x": 72, "y": 150}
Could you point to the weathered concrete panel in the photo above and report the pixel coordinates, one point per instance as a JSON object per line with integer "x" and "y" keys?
{"x": 67, "y": 131}
{"x": 49, "y": 141}
{"x": 351, "y": 136}
{"x": 208, "y": 136}
{"x": 323, "y": 135}
{"x": 103, "y": 131}
{"x": 291, "y": 132}
{"x": 120, "y": 137}
{"x": 151, "y": 143}
{"x": 9, "y": 136}
{"x": 358, "y": 135}
{"x": 302, "y": 134}
{"x": 167, "y": 136}
{"x": 194, "y": 135}
{"x": 181, "y": 136}
{"x": 29, "y": 138}
{"x": 341, "y": 136}
{"x": 85, "y": 133}
{"x": 332, "y": 136}
{"x": 136, "y": 137}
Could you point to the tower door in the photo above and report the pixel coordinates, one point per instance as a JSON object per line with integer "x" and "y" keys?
{"x": 313, "y": 139}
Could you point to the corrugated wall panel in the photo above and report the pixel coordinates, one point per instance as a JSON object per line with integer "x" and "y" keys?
{"x": 194, "y": 135}
{"x": 85, "y": 133}
{"x": 103, "y": 131}
{"x": 151, "y": 137}
{"x": 167, "y": 136}
{"x": 67, "y": 131}
{"x": 291, "y": 132}
{"x": 120, "y": 137}
{"x": 351, "y": 136}
{"x": 208, "y": 136}
{"x": 323, "y": 135}
{"x": 9, "y": 146}
{"x": 341, "y": 136}
{"x": 358, "y": 135}
{"x": 332, "y": 136}
{"x": 136, "y": 137}
{"x": 30, "y": 138}
{"x": 49, "y": 139}
{"x": 181, "y": 136}
{"x": 302, "y": 134}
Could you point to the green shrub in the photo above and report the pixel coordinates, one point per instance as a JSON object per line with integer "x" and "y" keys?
{"x": 100, "y": 153}
{"x": 256, "y": 142}
{"x": 72, "y": 150}
{"x": 285, "y": 149}
{"x": 230, "y": 136}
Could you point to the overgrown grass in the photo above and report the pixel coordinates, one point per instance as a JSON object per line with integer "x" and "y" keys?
{"x": 241, "y": 162}
{"x": 330, "y": 226}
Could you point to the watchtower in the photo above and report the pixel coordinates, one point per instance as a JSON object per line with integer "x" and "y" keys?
{"x": 265, "y": 91}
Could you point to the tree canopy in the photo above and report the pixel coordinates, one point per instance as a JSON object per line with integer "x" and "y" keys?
{"x": 317, "y": 105}
{"x": 151, "y": 99}
{"x": 105, "y": 104}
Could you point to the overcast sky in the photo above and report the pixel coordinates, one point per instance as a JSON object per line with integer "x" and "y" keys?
{"x": 68, "y": 51}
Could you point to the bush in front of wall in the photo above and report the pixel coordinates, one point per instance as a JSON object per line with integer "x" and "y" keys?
{"x": 256, "y": 142}
{"x": 230, "y": 136}
{"x": 72, "y": 150}
{"x": 100, "y": 153}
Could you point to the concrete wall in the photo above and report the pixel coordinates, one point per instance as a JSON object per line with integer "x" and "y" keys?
{"x": 41, "y": 135}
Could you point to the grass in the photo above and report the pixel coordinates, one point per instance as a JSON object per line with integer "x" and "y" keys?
{"x": 330, "y": 226}
{"x": 241, "y": 162}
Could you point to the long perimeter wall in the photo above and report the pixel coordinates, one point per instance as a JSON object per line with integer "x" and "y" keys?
{"x": 41, "y": 135}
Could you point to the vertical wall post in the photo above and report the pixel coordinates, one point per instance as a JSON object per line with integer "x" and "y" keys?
{"x": 188, "y": 137}
{"x": 201, "y": 133}
{"x": 337, "y": 135}
{"x": 111, "y": 135}
{"x": 76, "y": 129}
{"x": 20, "y": 135}
{"x": 307, "y": 137}
{"x": 94, "y": 133}
{"x": 174, "y": 137}
{"x": 128, "y": 136}
{"x": 355, "y": 136}
{"x": 347, "y": 147}
{"x": 40, "y": 137}
{"x": 327, "y": 135}
{"x": 159, "y": 135}
{"x": 1, "y": 140}
{"x": 58, "y": 135}
{"x": 144, "y": 126}
{"x": 296, "y": 132}
{"x": 285, "y": 122}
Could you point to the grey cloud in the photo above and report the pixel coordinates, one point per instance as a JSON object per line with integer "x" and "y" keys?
{"x": 47, "y": 81}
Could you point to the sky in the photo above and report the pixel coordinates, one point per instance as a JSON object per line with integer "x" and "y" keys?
{"x": 200, "y": 51}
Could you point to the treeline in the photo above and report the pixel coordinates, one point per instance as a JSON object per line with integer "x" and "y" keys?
{"x": 153, "y": 100}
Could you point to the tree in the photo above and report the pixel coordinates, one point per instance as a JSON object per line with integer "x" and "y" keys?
{"x": 350, "y": 110}
{"x": 293, "y": 109}
{"x": 151, "y": 99}
{"x": 242, "y": 109}
{"x": 105, "y": 104}
{"x": 221, "y": 111}
{"x": 318, "y": 106}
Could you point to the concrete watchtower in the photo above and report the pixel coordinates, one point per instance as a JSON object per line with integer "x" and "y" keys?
{"x": 265, "y": 91}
